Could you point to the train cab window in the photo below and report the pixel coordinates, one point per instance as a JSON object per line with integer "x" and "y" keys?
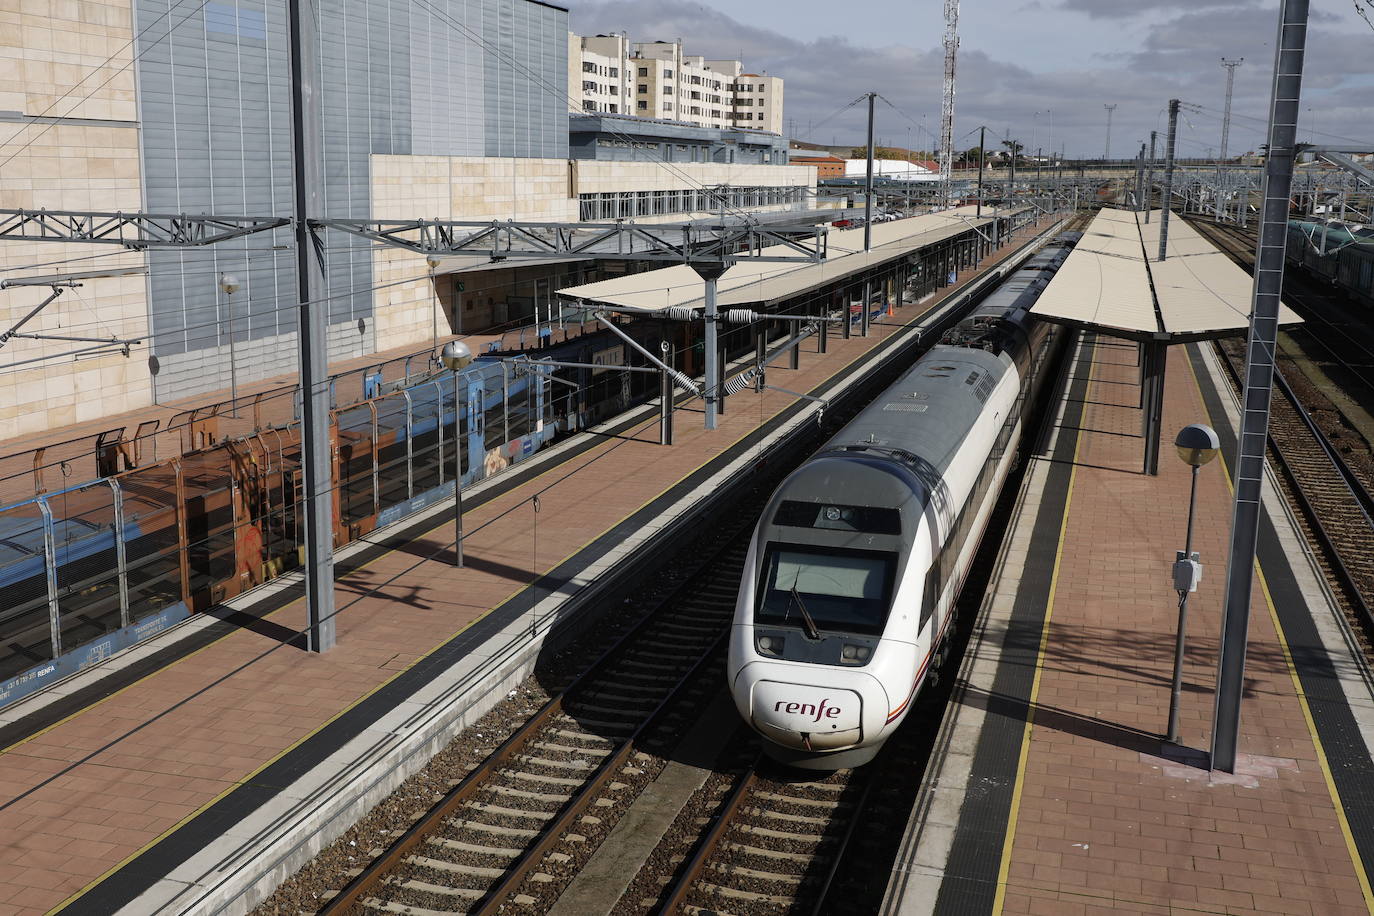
{"x": 848, "y": 591}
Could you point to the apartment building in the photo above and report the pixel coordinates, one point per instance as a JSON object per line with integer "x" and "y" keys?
{"x": 658, "y": 80}
{"x": 600, "y": 80}
{"x": 758, "y": 102}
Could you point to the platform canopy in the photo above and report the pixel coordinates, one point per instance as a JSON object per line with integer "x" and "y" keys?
{"x": 751, "y": 283}
{"x": 1113, "y": 282}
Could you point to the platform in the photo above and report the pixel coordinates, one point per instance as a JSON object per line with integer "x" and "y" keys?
{"x": 198, "y": 770}
{"x": 1050, "y": 789}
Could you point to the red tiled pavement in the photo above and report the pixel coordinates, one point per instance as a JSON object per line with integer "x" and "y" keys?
{"x": 84, "y": 796}
{"x": 1103, "y": 822}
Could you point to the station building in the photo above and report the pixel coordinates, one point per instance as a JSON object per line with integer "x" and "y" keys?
{"x": 457, "y": 110}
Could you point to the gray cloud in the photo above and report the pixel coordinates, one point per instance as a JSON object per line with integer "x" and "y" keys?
{"x": 1177, "y": 55}
{"x": 1127, "y": 9}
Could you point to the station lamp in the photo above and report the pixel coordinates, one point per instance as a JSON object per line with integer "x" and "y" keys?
{"x": 1197, "y": 445}
{"x": 457, "y": 357}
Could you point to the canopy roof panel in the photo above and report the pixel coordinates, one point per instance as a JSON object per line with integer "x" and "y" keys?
{"x": 748, "y": 282}
{"x": 1114, "y": 283}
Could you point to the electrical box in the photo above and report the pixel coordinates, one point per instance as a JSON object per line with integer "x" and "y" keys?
{"x": 1187, "y": 571}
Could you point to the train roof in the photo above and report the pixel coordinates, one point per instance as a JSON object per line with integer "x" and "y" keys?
{"x": 923, "y": 418}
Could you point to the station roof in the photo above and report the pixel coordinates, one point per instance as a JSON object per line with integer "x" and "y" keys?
{"x": 1112, "y": 282}
{"x": 750, "y": 282}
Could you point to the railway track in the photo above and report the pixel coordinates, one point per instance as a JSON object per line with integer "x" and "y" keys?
{"x": 776, "y": 845}
{"x": 1326, "y": 469}
{"x": 526, "y": 814}
{"x": 1334, "y": 504}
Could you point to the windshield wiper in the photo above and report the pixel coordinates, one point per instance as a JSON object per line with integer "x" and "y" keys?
{"x": 811, "y": 630}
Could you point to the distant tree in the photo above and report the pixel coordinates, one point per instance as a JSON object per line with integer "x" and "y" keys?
{"x": 1014, "y": 147}
{"x": 879, "y": 152}
{"x": 974, "y": 155}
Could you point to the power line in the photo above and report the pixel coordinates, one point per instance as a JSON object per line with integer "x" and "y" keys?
{"x": 132, "y": 60}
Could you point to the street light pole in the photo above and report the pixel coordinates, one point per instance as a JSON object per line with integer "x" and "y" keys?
{"x": 457, "y": 357}
{"x": 1197, "y": 445}
{"x": 230, "y": 284}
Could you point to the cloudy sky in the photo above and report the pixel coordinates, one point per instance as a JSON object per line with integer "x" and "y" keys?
{"x": 1042, "y": 69}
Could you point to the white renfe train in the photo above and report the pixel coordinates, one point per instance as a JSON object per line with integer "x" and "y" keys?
{"x": 853, "y": 573}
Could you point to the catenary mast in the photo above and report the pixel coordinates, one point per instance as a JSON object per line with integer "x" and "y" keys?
{"x": 947, "y": 109}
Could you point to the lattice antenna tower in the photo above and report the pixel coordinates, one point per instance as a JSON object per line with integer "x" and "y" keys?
{"x": 947, "y": 109}
{"x": 1230, "y": 66}
{"x": 1107, "y": 150}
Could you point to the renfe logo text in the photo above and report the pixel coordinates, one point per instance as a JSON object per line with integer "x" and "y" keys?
{"x": 822, "y": 711}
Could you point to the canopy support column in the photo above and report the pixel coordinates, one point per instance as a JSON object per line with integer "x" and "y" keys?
{"x": 1156, "y": 357}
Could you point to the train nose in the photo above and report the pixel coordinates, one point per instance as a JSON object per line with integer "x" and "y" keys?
{"x": 807, "y": 717}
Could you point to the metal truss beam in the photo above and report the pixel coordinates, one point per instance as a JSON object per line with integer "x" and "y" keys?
{"x": 682, "y": 242}
{"x": 131, "y": 230}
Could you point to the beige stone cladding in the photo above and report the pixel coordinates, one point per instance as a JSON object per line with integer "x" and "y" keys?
{"x": 68, "y": 141}
{"x": 459, "y": 188}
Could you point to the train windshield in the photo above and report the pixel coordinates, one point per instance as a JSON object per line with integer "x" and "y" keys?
{"x": 845, "y": 590}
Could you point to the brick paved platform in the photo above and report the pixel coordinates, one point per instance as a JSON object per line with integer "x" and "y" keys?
{"x": 1051, "y": 790}
{"x": 170, "y": 792}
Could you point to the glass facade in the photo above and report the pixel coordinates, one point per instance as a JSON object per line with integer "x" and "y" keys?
{"x": 398, "y": 77}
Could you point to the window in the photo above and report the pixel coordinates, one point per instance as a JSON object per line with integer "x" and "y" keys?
{"x": 642, "y": 105}
{"x": 588, "y": 86}
{"x": 667, "y": 74}
{"x": 845, "y": 590}
{"x": 643, "y": 88}
{"x": 588, "y": 67}
{"x": 643, "y": 71}
{"x": 667, "y": 106}
{"x": 589, "y": 105}
{"x": 667, "y": 90}
{"x": 611, "y": 108}
{"x": 615, "y": 72}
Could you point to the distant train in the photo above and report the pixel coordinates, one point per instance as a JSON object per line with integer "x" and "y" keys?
{"x": 1340, "y": 253}
{"x": 851, "y": 579}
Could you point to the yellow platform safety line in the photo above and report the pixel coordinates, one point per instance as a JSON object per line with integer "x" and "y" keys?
{"x": 1004, "y": 869}
{"x": 878, "y": 342}
{"x": 1350, "y": 845}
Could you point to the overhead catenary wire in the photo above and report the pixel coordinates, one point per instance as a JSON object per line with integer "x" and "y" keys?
{"x": 132, "y": 60}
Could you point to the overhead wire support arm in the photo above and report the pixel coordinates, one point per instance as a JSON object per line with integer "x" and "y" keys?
{"x": 131, "y": 230}
{"x": 681, "y": 242}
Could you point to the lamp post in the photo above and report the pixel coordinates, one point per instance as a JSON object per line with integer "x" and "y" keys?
{"x": 434, "y": 305}
{"x": 457, "y": 357}
{"x": 230, "y": 284}
{"x": 1197, "y": 445}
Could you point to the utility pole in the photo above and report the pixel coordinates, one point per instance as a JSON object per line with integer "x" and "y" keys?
{"x": 1168, "y": 178}
{"x": 312, "y": 324}
{"x": 868, "y": 178}
{"x": 1140, "y": 178}
{"x": 1259, "y": 377}
{"x": 982, "y": 157}
{"x": 1107, "y": 150}
{"x": 1150, "y": 177}
{"x": 1230, "y": 66}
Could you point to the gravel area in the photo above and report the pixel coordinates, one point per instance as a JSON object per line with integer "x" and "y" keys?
{"x": 311, "y": 887}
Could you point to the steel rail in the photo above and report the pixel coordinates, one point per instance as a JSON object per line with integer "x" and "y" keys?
{"x": 578, "y": 805}
{"x": 692, "y": 873}
{"x": 1326, "y": 540}
{"x": 460, "y": 794}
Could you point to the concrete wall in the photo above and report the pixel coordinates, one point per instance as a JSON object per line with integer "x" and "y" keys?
{"x": 78, "y": 152}
{"x": 461, "y": 188}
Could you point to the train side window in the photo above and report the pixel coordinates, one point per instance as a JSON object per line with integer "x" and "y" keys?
{"x": 930, "y": 596}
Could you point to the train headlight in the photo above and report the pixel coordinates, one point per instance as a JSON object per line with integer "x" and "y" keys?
{"x": 769, "y": 645}
{"x": 853, "y": 654}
